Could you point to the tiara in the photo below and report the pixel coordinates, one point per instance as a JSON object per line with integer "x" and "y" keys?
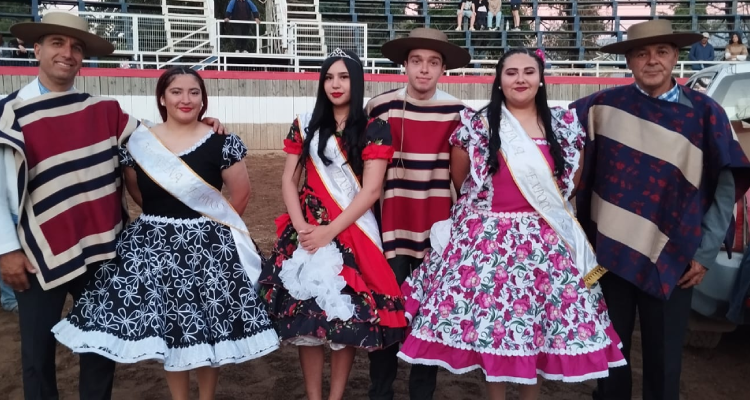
{"x": 339, "y": 53}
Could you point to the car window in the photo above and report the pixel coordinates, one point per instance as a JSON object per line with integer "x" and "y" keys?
{"x": 701, "y": 83}
{"x": 733, "y": 95}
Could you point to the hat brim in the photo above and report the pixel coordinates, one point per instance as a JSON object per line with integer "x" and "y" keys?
{"x": 30, "y": 32}
{"x": 397, "y": 50}
{"x": 678, "y": 39}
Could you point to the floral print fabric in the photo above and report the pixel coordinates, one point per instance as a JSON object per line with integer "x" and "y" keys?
{"x": 505, "y": 288}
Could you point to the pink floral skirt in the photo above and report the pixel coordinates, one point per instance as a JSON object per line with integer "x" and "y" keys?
{"x": 505, "y": 296}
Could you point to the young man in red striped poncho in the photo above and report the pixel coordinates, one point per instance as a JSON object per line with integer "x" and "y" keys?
{"x": 417, "y": 186}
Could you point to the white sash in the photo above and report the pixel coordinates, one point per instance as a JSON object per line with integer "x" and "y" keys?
{"x": 536, "y": 181}
{"x": 340, "y": 180}
{"x": 174, "y": 176}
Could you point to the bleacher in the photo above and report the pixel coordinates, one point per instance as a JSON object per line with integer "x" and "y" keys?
{"x": 296, "y": 34}
{"x": 566, "y": 30}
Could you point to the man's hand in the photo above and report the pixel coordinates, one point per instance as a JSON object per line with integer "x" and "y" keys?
{"x": 13, "y": 268}
{"x": 693, "y": 276}
{"x": 257, "y": 21}
{"x": 216, "y": 125}
{"x": 226, "y": 19}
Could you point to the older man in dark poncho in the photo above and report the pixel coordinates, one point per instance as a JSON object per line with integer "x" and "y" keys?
{"x": 662, "y": 172}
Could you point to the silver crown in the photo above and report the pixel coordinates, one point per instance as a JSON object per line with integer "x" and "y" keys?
{"x": 339, "y": 53}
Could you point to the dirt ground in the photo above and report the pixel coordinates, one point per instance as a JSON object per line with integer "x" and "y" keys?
{"x": 722, "y": 373}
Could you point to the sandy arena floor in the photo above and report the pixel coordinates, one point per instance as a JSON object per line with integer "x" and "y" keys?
{"x": 719, "y": 374}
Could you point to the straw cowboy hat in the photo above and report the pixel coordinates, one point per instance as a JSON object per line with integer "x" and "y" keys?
{"x": 652, "y": 32}
{"x": 60, "y": 23}
{"x": 454, "y": 56}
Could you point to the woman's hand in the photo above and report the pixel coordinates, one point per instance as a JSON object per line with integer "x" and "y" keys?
{"x": 319, "y": 236}
{"x": 216, "y": 125}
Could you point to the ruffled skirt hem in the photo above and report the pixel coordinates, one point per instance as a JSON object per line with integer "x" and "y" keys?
{"x": 126, "y": 351}
{"x": 523, "y": 369}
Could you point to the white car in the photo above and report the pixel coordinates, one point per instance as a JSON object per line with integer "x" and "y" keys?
{"x": 729, "y": 85}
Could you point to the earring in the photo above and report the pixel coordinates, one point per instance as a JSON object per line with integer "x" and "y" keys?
{"x": 162, "y": 104}
{"x": 541, "y": 84}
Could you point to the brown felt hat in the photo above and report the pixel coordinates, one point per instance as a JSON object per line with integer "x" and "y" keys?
{"x": 60, "y": 23}
{"x": 652, "y": 32}
{"x": 454, "y": 56}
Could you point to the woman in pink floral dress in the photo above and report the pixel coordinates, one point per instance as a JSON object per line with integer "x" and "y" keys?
{"x": 510, "y": 285}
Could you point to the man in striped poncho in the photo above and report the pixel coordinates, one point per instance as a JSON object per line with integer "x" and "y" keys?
{"x": 60, "y": 195}
{"x": 661, "y": 175}
{"x": 417, "y": 184}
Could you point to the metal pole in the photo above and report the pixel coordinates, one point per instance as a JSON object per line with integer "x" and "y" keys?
{"x": 136, "y": 44}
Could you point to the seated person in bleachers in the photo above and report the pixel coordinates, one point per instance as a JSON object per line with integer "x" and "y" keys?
{"x": 20, "y": 52}
{"x": 515, "y": 9}
{"x": 735, "y": 50}
{"x": 466, "y": 9}
{"x": 494, "y": 12}
{"x": 481, "y": 19}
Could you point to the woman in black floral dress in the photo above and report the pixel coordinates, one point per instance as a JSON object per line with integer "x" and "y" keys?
{"x": 179, "y": 290}
{"x": 327, "y": 281}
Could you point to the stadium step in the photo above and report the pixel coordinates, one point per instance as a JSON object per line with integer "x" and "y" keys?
{"x": 183, "y": 23}
{"x": 310, "y": 35}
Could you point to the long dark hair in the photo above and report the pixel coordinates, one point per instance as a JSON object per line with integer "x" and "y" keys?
{"x": 494, "y": 114}
{"x": 167, "y": 77}
{"x": 739, "y": 38}
{"x": 324, "y": 123}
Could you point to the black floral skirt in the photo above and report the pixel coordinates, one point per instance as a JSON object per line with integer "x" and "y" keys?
{"x": 304, "y": 321}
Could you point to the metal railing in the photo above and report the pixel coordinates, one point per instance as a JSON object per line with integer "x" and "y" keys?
{"x": 142, "y": 41}
{"x": 137, "y": 34}
{"x": 273, "y": 39}
{"x": 230, "y": 62}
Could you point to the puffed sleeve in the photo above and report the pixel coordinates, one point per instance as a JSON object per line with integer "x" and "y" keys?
{"x": 378, "y": 141}
{"x": 462, "y": 135}
{"x": 293, "y": 142}
{"x": 126, "y": 160}
{"x": 572, "y": 137}
{"x": 233, "y": 151}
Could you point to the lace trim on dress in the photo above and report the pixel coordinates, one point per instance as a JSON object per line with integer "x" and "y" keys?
{"x": 172, "y": 221}
{"x": 196, "y": 145}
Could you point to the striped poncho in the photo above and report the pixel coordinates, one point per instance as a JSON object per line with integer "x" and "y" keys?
{"x": 67, "y": 175}
{"x": 417, "y": 183}
{"x": 650, "y": 174}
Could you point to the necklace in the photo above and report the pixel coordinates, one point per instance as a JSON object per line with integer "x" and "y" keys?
{"x": 400, "y": 168}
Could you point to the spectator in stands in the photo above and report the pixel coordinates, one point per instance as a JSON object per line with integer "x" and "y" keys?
{"x": 701, "y": 51}
{"x": 20, "y": 52}
{"x": 515, "y": 9}
{"x": 242, "y": 10}
{"x": 43, "y": 268}
{"x": 481, "y": 19}
{"x": 418, "y": 191}
{"x": 735, "y": 50}
{"x": 494, "y": 12}
{"x": 4, "y": 53}
{"x": 656, "y": 201}
{"x": 466, "y": 9}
